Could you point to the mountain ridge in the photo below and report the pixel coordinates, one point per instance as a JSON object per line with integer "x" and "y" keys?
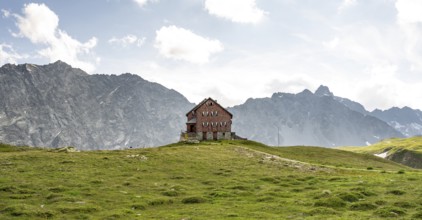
{"x": 306, "y": 118}
{"x": 55, "y": 105}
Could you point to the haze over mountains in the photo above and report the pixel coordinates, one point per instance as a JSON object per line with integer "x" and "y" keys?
{"x": 56, "y": 105}
{"x": 308, "y": 119}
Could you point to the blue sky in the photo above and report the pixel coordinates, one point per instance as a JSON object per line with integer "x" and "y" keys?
{"x": 366, "y": 50}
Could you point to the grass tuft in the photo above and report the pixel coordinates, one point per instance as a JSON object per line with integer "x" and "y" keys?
{"x": 388, "y": 212}
{"x": 193, "y": 200}
{"x": 349, "y": 197}
{"x": 362, "y": 206}
{"x": 333, "y": 202}
{"x": 397, "y": 192}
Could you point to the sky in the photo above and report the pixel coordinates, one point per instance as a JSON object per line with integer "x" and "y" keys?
{"x": 369, "y": 51}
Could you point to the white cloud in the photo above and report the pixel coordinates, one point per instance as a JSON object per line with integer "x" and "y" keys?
{"x": 9, "y": 55}
{"x": 241, "y": 11}
{"x": 346, "y": 4}
{"x": 40, "y": 25}
{"x": 128, "y": 40}
{"x": 182, "y": 44}
{"x": 409, "y": 11}
{"x": 142, "y": 3}
{"x": 409, "y": 18}
{"x": 5, "y": 13}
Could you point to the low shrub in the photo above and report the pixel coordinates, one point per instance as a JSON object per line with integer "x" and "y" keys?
{"x": 193, "y": 200}
{"x": 170, "y": 193}
{"x": 387, "y": 212}
{"x": 138, "y": 207}
{"x": 362, "y": 206}
{"x": 404, "y": 205}
{"x": 220, "y": 194}
{"x": 349, "y": 197}
{"x": 265, "y": 199}
{"x": 77, "y": 209}
{"x": 381, "y": 202}
{"x": 157, "y": 202}
{"x": 322, "y": 211}
{"x": 270, "y": 179}
{"x": 396, "y": 192}
{"x": 16, "y": 210}
{"x": 417, "y": 215}
{"x": 331, "y": 202}
{"x": 401, "y": 172}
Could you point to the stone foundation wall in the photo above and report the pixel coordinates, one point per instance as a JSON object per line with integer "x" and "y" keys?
{"x": 199, "y": 136}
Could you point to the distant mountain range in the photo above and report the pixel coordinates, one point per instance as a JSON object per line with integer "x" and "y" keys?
{"x": 308, "y": 118}
{"x": 56, "y": 105}
{"x": 406, "y": 120}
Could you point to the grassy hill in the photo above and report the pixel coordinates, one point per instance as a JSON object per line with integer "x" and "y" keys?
{"x": 210, "y": 180}
{"x": 407, "y": 151}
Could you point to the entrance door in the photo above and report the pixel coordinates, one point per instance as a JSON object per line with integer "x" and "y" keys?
{"x": 214, "y": 136}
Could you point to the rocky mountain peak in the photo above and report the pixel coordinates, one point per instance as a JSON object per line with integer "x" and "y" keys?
{"x": 56, "y": 105}
{"x": 323, "y": 91}
{"x": 305, "y": 92}
{"x": 61, "y": 63}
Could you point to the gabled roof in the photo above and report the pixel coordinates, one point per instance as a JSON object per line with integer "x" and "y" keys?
{"x": 204, "y": 101}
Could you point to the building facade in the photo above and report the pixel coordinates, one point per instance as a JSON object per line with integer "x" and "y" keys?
{"x": 208, "y": 121}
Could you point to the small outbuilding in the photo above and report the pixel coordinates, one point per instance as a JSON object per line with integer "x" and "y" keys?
{"x": 208, "y": 121}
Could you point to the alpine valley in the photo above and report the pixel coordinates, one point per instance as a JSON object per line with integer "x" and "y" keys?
{"x": 56, "y": 105}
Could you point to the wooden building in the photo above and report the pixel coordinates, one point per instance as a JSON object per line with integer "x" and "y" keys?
{"x": 208, "y": 121}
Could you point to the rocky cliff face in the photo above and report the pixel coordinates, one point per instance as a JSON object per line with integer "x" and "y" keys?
{"x": 56, "y": 105}
{"x": 407, "y": 157}
{"x": 406, "y": 120}
{"x": 307, "y": 119}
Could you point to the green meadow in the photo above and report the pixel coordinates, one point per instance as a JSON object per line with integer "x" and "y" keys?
{"x": 209, "y": 180}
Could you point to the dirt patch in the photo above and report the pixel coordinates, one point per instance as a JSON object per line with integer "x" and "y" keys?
{"x": 267, "y": 158}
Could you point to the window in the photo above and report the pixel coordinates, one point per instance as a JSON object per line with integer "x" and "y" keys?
{"x": 216, "y": 113}
{"x": 207, "y": 123}
{"x": 221, "y": 124}
{"x": 207, "y": 114}
{"x": 212, "y": 113}
{"x": 203, "y": 113}
{"x": 225, "y": 123}
{"x": 203, "y": 124}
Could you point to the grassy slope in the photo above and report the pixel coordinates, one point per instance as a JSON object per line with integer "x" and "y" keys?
{"x": 413, "y": 144}
{"x": 329, "y": 157}
{"x": 223, "y": 180}
{"x": 407, "y": 151}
